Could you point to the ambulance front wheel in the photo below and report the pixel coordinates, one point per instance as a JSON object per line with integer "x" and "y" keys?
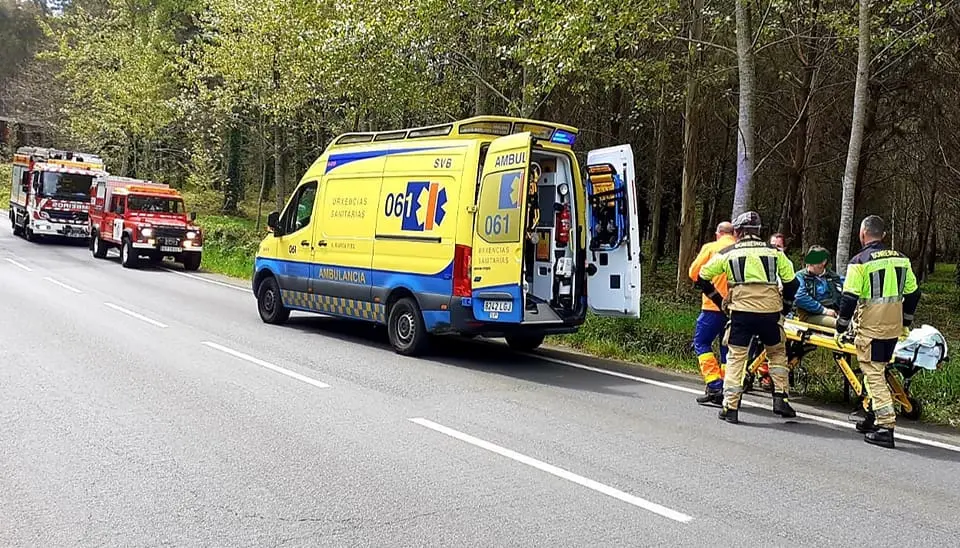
{"x": 524, "y": 343}
{"x": 405, "y": 328}
{"x": 270, "y": 303}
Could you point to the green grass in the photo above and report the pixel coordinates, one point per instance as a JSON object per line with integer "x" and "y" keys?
{"x": 230, "y": 245}
{"x": 6, "y": 174}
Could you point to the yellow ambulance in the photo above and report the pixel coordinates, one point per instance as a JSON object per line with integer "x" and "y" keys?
{"x": 484, "y": 226}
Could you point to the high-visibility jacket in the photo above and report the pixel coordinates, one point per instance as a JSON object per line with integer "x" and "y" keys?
{"x": 754, "y": 269}
{"x": 706, "y": 253}
{"x": 881, "y": 291}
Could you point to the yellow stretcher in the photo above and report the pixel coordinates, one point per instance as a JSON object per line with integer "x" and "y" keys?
{"x": 803, "y": 338}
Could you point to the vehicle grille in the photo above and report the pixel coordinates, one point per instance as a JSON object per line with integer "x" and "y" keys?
{"x": 169, "y": 232}
{"x": 67, "y": 216}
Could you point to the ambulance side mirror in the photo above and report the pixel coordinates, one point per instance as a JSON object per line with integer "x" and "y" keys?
{"x": 273, "y": 219}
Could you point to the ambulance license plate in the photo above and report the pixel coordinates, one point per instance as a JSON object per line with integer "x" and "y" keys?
{"x": 498, "y": 306}
{"x": 170, "y": 249}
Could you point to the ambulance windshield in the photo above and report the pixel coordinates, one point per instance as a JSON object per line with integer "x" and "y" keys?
{"x": 66, "y": 186}
{"x": 154, "y": 204}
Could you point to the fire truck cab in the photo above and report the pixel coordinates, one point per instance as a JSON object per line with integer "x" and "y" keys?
{"x": 48, "y": 194}
{"x": 142, "y": 219}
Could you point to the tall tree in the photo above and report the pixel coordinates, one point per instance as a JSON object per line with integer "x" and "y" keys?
{"x": 691, "y": 146}
{"x": 860, "y": 97}
{"x": 745, "y": 128}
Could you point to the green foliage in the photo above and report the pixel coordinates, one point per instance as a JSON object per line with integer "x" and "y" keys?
{"x": 229, "y": 246}
{"x": 5, "y": 174}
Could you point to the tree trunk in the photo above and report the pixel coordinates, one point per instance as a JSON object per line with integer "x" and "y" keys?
{"x": 926, "y": 237}
{"x": 231, "y": 195}
{"x": 860, "y": 98}
{"x": 656, "y": 233}
{"x": 691, "y": 149}
{"x": 745, "y": 135}
{"x": 798, "y": 160}
{"x": 278, "y": 166}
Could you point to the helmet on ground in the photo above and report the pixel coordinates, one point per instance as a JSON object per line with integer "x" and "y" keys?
{"x": 748, "y": 220}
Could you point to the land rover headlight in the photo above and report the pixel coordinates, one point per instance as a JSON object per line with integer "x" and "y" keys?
{"x": 191, "y": 235}
{"x": 146, "y": 232}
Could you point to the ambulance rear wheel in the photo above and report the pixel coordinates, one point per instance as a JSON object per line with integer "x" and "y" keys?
{"x": 97, "y": 246}
{"x": 128, "y": 255}
{"x": 270, "y": 304}
{"x": 524, "y": 343}
{"x": 405, "y": 328}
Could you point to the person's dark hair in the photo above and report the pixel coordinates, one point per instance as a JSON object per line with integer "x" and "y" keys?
{"x": 874, "y": 226}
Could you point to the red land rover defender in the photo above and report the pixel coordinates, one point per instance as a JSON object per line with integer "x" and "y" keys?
{"x": 142, "y": 219}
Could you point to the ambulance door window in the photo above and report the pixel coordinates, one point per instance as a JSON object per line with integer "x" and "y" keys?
{"x": 300, "y": 209}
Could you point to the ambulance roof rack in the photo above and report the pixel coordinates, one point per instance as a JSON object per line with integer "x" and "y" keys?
{"x": 496, "y": 126}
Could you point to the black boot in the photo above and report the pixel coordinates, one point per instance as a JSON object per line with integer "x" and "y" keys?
{"x": 711, "y": 397}
{"x": 729, "y": 415}
{"x": 883, "y": 437}
{"x": 782, "y": 407}
{"x": 868, "y": 424}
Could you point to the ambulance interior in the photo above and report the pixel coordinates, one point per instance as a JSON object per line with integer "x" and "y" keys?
{"x": 549, "y": 240}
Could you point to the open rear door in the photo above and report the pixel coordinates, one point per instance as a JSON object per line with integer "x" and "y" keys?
{"x": 498, "y": 231}
{"x": 613, "y": 235}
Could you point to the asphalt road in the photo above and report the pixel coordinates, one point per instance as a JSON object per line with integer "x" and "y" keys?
{"x": 144, "y": 408}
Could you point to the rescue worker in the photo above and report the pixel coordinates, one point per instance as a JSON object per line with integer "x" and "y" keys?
{"x": 712, "y": 320}
{"x": 755, "y": 270}
{"x": 881, "y": 291}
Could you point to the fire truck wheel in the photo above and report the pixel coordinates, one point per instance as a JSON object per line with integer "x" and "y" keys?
{"x": 191, "y": 261}
{"x": 97, "y": 246}
{"x": 30, "y": 235}
{"x": 270, "y": 304}
{"x": 17, "y": 231}
{"x": 128, "y": 255}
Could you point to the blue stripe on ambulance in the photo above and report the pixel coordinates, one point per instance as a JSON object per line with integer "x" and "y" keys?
{"x": 337, "y": 160}
{"x": 440, "y": 283}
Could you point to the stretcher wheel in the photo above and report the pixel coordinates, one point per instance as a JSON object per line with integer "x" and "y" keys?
{"x": 915, "y": 411}
{"x": 748, "y": 381}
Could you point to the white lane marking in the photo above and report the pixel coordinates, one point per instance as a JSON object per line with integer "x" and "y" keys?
{"x": 745, "y": 403}
{"x": 267, "y": 365}
{"x": 559, "y": 472}
{"x": 63, "y": 285}
{"x": 214, "y": 282}
{"x": 20, "y": 265}
{"x": 140, "y": 317}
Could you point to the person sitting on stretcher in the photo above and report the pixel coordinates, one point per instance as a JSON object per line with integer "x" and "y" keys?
{"x": 818, "y": 299}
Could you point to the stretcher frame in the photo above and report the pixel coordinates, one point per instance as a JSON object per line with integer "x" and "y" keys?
{"x": 898, "y": 375}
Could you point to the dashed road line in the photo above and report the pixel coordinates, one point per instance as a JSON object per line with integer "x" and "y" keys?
{"x": 19, "y": 265}
{"x": 266, "y": 365}
{"x": 133, "y": 314}
{"x": 63, "y": 285}
{"x": 558, "y": 472}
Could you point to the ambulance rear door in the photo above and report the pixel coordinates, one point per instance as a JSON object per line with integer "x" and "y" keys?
{"x": 613, "y": 233}
{"x": 497, "y": 264}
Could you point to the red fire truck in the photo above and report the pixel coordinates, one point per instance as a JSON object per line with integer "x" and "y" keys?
{"x": 49, "y": 192}
{"x": 142, "y": 219}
